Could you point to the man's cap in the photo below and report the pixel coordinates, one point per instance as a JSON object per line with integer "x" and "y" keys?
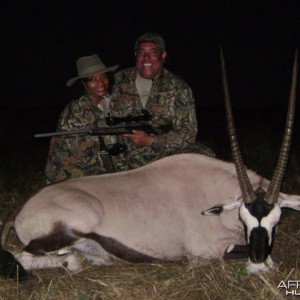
{"x": 150, "y": 37}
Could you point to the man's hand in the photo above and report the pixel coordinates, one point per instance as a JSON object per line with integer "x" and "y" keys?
{"x": 140, "y": 138}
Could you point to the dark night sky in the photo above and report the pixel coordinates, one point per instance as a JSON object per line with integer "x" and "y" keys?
{"x": 41, "y": 40}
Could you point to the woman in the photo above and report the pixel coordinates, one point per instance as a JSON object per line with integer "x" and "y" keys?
{"x": 77, "y": 156}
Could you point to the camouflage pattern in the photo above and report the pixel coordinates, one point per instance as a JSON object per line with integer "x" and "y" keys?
{"x": 170, "y": 101}
{"x": 77, "y": 156}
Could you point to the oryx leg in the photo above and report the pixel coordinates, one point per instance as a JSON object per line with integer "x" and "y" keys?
{"x": 92, "y": 251}
{"x": 65, "y": 259}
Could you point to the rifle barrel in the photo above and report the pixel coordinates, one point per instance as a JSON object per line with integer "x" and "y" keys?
{"x": 113, "y": 130}
{"x": 61, "y": 133}
{"x": 110, "y": 130}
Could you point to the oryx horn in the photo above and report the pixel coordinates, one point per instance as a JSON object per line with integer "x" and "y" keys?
{"x": 245, "y": 185}
{"x": 274, "y": 187}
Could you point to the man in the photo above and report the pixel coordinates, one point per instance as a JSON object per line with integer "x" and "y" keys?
{"x": 164, "y": 95}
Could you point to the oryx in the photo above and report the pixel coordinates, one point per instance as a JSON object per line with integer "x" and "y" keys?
{"x": 157, "y": 212}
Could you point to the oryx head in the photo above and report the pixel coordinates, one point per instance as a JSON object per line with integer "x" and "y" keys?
{"x": 260, "y": 210}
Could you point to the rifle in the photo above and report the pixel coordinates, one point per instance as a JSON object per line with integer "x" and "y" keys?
{"x": 126, "y": 125}
{"x": 115, "y": 126}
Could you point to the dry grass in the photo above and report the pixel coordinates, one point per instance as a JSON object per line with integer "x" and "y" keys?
{"x": 218, "y": 280}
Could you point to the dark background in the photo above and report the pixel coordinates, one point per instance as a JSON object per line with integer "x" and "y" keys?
{"x": 41, "y": 40}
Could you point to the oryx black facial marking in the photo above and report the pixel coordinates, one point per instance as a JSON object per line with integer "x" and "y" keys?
{"x": 258, "y": 245}
{"x": 259, "y": 208}
{"x": 260, "y": 219}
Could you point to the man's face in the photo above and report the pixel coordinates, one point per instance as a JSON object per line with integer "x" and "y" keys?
{"x": 149, "y": 60}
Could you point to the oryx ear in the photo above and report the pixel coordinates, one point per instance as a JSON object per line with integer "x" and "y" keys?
{"x": 217, "y": 210}
{"x": 289, "y": 201}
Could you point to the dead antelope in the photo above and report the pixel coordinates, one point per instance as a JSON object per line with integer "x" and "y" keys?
{"x": 154, "y": 213}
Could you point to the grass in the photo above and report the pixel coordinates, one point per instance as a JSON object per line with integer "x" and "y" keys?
{"x": 22, "y": 163}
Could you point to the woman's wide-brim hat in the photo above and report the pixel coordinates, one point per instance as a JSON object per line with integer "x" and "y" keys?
{"x": 88, "y": 66}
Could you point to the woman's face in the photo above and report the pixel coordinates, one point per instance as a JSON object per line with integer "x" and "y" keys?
{"x": 97, "y": 84}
